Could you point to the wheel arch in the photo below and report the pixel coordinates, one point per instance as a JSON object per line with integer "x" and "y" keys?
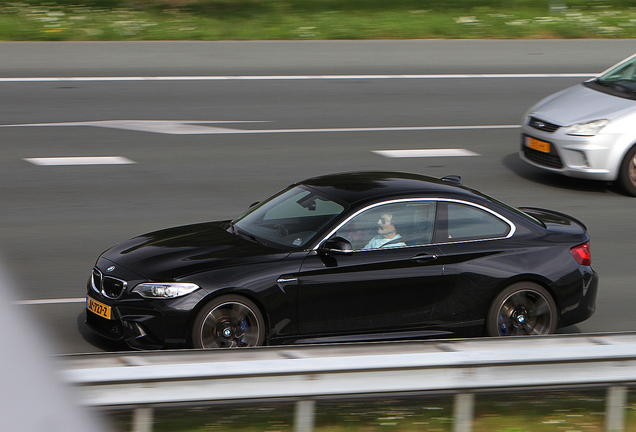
{"x": 618, "y": 153}
{"x": 627, "y": 186}
{"x": 227, "y": 291}
{"x": 531, "y": 277}
{"x": 542, "y": 281}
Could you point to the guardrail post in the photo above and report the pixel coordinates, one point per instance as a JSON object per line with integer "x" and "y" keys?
{"x": 305, "y": 414}
{"x": 615, "y": 409}
{"x": 463, "y": 412}
{"x": 142, "y": 419}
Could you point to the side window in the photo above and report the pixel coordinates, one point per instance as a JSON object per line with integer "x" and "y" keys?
{"x": 391, "y": 225}
{"x": 464, "y": 222}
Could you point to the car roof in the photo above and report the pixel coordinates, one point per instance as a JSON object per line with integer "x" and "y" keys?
{"x": 355, "y": 187}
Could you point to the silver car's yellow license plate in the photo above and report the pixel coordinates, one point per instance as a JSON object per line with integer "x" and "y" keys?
{"x": 538, "y": 145}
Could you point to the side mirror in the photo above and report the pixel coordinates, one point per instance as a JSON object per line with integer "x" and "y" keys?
{"x": 337, "y": 246}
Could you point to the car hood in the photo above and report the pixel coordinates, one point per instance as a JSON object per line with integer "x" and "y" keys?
{"x": 174, "y": 253}
{"x": 580, "y": 104}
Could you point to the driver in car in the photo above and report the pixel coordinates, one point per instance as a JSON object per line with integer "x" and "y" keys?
{"x": 387, "y": 233}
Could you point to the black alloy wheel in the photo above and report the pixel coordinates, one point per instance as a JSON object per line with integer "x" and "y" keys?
{"x": 627, "y": 173}
{"x": 229, "y": 321}
{"x": 523, "y": 308}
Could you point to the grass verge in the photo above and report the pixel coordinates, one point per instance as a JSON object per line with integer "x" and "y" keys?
{"x": 314, "y": 20}
{"x": 520, "y": 411}
{"x": 544, "y": 411}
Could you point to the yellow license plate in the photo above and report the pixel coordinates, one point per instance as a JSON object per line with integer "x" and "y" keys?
{"x": 98, "y": 308}
{"x": 538, "y": 145}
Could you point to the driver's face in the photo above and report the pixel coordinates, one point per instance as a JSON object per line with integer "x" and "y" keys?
{"x": 385, "y": 227}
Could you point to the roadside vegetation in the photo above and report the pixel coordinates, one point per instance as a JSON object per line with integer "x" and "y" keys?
{"x": 93, "y": 20}
{"x": 545, "y": 411}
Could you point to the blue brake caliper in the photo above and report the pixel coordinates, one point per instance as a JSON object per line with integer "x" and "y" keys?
{"x": 243, "y": 329}
{"x": 503, "y": 327}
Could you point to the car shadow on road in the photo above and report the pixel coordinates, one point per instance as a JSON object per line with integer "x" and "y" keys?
{"x": 514, "y": 163}
{"x": 96, "y": 340}
{"x": 573, "y": 329}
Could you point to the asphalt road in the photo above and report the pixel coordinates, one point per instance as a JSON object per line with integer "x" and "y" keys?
{"x": 309, "y": 108}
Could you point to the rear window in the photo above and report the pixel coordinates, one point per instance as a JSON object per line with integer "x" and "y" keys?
{"x": 462, "y": 222}
{"x": 467, "y": 223}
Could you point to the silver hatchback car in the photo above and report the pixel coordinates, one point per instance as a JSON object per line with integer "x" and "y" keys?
{"x": 589, "y": 130}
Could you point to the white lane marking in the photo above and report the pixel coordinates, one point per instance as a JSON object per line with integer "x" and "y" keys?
{"x": 370, "y": 129}
{"x": 52, "y": 301}
{"x": 415, "y": 153}
{"x": 104, "y": 160}
{"x": 178, "y": 127}
{"x": 295, "y": 77}
{"x": 182, "y": 127}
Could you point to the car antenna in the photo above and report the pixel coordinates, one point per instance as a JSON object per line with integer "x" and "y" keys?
{"x": 453, "y": 179}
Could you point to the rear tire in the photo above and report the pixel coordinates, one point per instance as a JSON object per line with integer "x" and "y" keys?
{"x": 228, "y": 321}
{"x": 627, "y": 172}
{"x": 523, "y": 308}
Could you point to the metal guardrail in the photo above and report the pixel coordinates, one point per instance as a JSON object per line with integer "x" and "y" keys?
{"x": 143, "y": 380}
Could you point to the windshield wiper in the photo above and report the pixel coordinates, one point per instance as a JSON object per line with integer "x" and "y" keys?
{"x": 247, "y": 236}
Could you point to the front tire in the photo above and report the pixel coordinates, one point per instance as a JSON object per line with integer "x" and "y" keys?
{"x": 228, "y": 321}
{"x": 523, "y": 308}
{"x": 627, "y": 173}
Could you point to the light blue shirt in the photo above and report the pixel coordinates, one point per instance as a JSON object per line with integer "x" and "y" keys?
{"x": 379, "y": 241}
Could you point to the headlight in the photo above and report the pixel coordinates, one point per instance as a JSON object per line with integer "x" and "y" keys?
{"x": 526, "y": 116}
{"x": 586, "y": 129}
{"x": 165, "y": 290}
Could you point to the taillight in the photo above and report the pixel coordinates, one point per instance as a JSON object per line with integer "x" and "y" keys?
{"x": 582, "y": 255}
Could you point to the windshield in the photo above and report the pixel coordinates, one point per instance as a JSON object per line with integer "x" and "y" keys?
{"x": 619, "y": 80}
{"x": 289, "y": 218}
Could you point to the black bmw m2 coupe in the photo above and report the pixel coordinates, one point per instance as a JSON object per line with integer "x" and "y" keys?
{"x": 348, "y": 257}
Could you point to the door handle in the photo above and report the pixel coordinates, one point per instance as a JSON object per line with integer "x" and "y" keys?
{"x": 421, "y": 258}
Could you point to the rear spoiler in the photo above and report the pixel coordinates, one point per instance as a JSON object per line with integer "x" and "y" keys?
{"x": 555, "y": 213}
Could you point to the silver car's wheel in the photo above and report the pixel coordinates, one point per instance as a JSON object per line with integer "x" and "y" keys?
{"x": 228, "y": 322}
{"x": 627, "y": 173}
{"x": 521, "y": 309}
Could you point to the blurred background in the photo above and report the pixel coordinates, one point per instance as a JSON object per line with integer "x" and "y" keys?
{"x": 315, "y": 19}
{"x": 217, "y": 104}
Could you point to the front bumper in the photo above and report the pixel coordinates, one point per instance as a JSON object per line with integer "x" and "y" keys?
{"x": 146, "y": 324}
{"x": 573, "y": 156}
